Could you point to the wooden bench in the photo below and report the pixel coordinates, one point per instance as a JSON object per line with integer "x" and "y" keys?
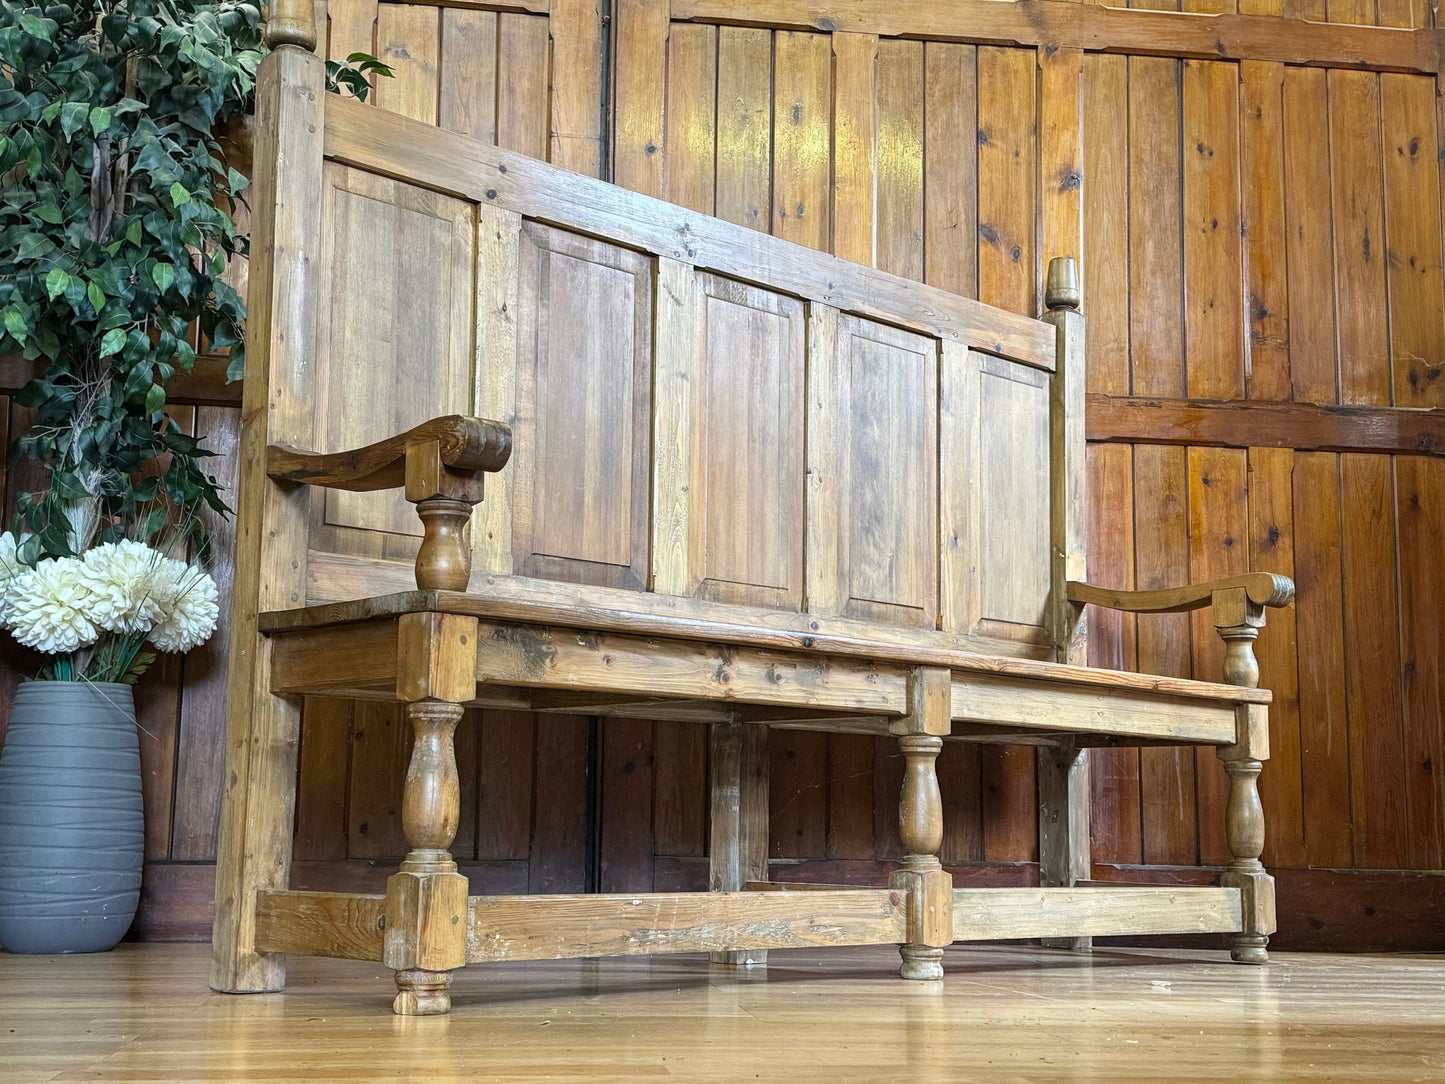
{"x": 733, "y": 483}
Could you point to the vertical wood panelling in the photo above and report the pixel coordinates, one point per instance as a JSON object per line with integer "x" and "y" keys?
{"x": 468, "y": 94}
{"x": 639, "y": 100}
{"x": 1106, "y": 224}
{"x": 1357, "y": 205}
{"x": 692, "y": 116}
{"x": 559, "y": 806}
{"x": 1372, "y": 670}
{"x": 802, "y": 137}
{"x": 744, "y": 126}
{"x": 855, "y": 120}
{"x": 1007, "y": 173}
{"x": 1324, "y": 730}
{"x": 200, "y": 755}
{"x": 1261, "y": 93}
{"x": 1412, "y": 240}
{"x": 579, "y": 47}
{"x": 408, "y": 40}
{"x": 505, "y": 765}
{"x": 900, "y": 159}
{"x": 624, "y": 808}
{"x": 1060, "y": 128}
{"x": 1313, "y": 368}
{"x": 1420, "y": 505}
{"x": 1155, "y": 244}
{"x": 523, "y": 70}
{"x": 950, "y": 167}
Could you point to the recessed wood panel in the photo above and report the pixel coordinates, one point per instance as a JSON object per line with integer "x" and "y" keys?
{"x": 581, "y": 441}
{"x": 394, "y": 335}
{"x": 729, "y": 476}
{"x": 873, "y": 469}
{"x": 751, "y": 446}
{"x": 994, "y": 442}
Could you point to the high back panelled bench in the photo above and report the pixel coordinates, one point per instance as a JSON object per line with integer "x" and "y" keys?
{"x": 731, "y": 482}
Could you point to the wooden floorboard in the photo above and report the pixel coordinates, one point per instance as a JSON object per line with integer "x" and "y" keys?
{"x": 142, "y": 1013}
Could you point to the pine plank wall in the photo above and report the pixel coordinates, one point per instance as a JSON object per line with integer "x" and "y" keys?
{"x": 1261, "y": 242}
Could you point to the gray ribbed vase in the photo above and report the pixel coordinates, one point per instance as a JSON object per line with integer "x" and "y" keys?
{"x": 72, "y": 835}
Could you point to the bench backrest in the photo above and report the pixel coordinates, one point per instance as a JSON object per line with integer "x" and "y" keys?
{"x": 698, "y": 409}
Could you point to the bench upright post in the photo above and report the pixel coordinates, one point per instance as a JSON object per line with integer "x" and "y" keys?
{"x": 262, "y": 728}
{"x": 1064, "y": 771}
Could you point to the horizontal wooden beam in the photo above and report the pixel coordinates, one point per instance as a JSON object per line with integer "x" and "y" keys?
{"x": 1247, "y": 424}
{"x": 563, "y": 927}
{"x": 204, "y": 385}
{"x": 988, "y": 914}
{"x": 343, "y": 925}
{"x": 590, "y": 661}
{"x": 1059, "y": 24}
{"x": 1029, "y": 704}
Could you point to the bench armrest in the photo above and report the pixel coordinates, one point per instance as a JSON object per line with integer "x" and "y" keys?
{"x": 1238, "y": 604}
{"x": 440, "y": 464}
{"x": 1260, "y": 588}
{"x": 464, "y": 445}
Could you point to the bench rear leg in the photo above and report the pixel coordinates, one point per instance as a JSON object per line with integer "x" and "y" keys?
{"x": 1064, "y": 827}
{"x": 738, "y": 848}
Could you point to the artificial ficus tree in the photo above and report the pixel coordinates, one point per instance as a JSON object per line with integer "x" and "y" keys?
{"x": 117, "y": 223}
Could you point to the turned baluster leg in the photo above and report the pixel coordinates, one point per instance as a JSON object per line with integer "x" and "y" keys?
{"x": 1238, "y": 622}
{"x": 920, "y": 824}
{"x": 426, "y": 903}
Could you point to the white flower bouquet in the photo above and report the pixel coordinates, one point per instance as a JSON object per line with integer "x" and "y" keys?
{"x": 96, "y": 613}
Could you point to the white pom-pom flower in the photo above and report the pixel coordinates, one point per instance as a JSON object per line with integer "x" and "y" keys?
{"x": 48, "y": 607}
{"x": 10, "y": 567}
{"x": 189, "y": 604}
{"x": 119, "y": 576}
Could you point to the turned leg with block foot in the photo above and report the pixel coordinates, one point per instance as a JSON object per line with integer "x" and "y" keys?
{"x": 426, "y": 902}
{"x": 920, "y": 827}
{"x": 1238, "y": 622}
{"x": 1244, "y": 831}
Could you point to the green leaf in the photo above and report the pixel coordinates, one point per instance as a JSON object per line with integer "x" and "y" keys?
{"x": 33, "y": 245}
{"x": 99, "y": 120}
{"x": 56, "y": 282}
{"x": 113, "y": 341}
{"x": 72, "y": 116}
{"x": 179, "y": 195}
{"x": 48, "y": 212}
{"x": 15, "y": 324}
{"x": 133, "y": 231}
{"x": 36, "y": 27}
{"x": 96, "y": 296}
{"x": 164, "y": 275}
{"x": 155, "y": 398}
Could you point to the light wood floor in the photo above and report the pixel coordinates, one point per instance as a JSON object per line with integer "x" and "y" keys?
{"x": 143, "y": 1013}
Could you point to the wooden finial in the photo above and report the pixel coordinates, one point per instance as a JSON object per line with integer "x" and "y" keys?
{"x": 291, "y": 22}
{"x": 1062, "y": 289}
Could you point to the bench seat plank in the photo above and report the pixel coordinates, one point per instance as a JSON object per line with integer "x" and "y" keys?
{"x": 520, "y": 599}
{"x": 799, "y": 686}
